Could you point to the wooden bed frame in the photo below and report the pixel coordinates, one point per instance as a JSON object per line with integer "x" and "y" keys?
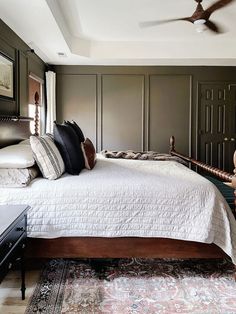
{"x": 122, "y": 247}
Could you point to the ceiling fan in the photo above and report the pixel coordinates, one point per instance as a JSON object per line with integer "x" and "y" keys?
{"x": 199, "y": 17}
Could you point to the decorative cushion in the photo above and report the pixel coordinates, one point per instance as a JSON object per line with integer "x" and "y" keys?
{"x": 77, "y": 130}
{"x": 20, "y": 177}
{"x": 69, "y": 146}
{"x": 25, "y": 142}
{"x": 16, "y": 156}
{"x": 89, "y": 154}
{"x": 47, "y": 157}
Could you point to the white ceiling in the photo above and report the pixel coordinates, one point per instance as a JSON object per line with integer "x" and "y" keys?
{"x": 107, "y": 32}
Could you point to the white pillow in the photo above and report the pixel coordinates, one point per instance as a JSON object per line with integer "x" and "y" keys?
{"x": 16, "y": 156}
{"x": 47, "y": 156}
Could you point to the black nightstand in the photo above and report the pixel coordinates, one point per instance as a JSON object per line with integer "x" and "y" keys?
{"x": 13, "y": 220}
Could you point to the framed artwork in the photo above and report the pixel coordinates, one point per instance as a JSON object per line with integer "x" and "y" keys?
{"x": 6, "y": 77}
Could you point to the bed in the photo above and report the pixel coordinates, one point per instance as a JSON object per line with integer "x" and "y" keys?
{"x": 117, "y": 208}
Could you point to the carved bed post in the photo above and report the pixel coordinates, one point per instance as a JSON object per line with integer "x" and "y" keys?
{"x": 234, "y": 180}
{"x": 36, "y": 127}
{"x": 223, "y": 175}
{"x": 172, "y": 144}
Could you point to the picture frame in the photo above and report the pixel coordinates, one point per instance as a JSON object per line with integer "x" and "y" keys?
{"x": 7, "y": 84}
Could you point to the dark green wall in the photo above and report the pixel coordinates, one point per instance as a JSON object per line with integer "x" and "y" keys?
{"x": 25, "y": 63}
{"x": 136, "y": 107}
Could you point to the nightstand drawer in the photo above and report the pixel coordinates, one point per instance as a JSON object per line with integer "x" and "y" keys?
{"x": 13, "y": 233}
{"x": 7, "y": 263}
{"x": 11, "y": 238}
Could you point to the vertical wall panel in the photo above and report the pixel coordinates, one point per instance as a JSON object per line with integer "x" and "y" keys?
{"x": 122, "y": 112}
{"x": 23, "y": 84}
{"x": 77, "y": 101}
{"x": 170, "y": 109}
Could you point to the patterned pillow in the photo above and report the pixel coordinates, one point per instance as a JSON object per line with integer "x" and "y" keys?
{"x": 89, "y": 153}
{"x": 47, "y": 157}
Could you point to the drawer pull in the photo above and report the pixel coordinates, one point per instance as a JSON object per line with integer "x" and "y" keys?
{"x": 23, "y": 246}
{"x": 9, "y": 265}
{"x": 10, "y": 245}
{"x": 20, "y": 229}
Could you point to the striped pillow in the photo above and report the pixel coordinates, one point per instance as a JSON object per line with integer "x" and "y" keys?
{"x": 47, "y": 156}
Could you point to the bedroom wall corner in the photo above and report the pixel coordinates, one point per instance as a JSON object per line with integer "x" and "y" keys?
{"x": 25, "y": 63}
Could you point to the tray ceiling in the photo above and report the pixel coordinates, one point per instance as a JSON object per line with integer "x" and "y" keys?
{"x": 108, "y": 32}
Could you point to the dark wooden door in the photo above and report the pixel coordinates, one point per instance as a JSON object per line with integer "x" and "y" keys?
{"x": 232, "y": 121}
{"x": 217, "y": 125}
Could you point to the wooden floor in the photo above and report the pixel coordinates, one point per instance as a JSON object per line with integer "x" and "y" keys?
{"x": 10, "y": 294}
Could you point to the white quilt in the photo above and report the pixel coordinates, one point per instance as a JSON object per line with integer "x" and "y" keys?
{"x": 128, "y": 198}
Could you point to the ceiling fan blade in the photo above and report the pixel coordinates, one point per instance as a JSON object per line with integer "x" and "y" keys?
{"x": 213, "y": 27}
{"x": 217, "y": 5}
{"x": 154, "y": 23}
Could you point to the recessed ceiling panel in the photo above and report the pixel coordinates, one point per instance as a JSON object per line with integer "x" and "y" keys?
{"x": 118, "y": 20}
{"x": 108, "y": 31}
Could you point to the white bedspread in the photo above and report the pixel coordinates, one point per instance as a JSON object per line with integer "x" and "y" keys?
{"x": 128, "y": 198}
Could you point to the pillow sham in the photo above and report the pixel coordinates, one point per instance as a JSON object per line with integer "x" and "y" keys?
{"x": 16, "y": 156}
{"x": 25, "y": 142}
{"x": 69, "y": 146}
{"x": 20, "y": 177}
{"x": 89, "y": 153}
{"x": 77, "y": 130}
{"x": 47, "y": 156}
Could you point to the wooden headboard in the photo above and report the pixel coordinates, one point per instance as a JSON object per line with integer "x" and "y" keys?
{"x": 13, "y": 130}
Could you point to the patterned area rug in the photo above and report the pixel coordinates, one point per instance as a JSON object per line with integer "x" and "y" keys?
{"x": 135, "y": 286}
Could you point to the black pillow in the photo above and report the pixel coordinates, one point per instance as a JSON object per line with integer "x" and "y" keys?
{"x": 69, "y": 146}
{"x": 77, "y": 130}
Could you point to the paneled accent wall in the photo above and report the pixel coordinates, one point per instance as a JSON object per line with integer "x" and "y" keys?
{"x": 139, "y": 108}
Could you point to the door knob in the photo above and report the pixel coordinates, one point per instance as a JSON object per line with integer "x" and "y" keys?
{"x": 226, "y": 139}
{"x": 232, "y": 139}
